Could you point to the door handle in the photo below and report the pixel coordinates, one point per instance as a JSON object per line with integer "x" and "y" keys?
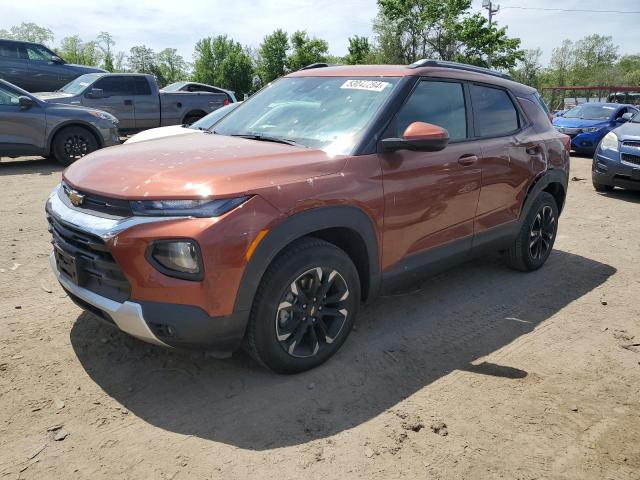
{"x": 128, "y": 102}
{"x": 467, "y": 160}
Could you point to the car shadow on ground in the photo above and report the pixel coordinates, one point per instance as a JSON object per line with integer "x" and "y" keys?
{"x": 26, "y": 166}
{"x": 624, "y": 195}
{"x": 401, "y": 344}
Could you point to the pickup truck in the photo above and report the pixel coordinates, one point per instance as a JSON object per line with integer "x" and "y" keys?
{"x": 134, "y": 99}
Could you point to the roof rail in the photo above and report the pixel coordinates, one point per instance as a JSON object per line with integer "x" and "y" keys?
{"x": 315, "y": 65}
{"x": 426, "y": 62}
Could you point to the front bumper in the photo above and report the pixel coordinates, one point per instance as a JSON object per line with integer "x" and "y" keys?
{"x": 608, "y": 169}
{"x": 166, "y": 323}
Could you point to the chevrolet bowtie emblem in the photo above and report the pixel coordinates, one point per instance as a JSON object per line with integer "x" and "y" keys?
{"x": 76, "y": 198}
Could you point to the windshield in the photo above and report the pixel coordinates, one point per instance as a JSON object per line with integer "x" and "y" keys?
{"x": 206, "y": 122}
{"x": 174, "y": 87}
{"x": 590, "y": 112}
{"x": 79, "y": 84}
{"x": 327, "y": 113}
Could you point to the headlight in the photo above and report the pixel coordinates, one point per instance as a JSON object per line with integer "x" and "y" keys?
{"x": 609, "y": 142}
{"x": 103, "y": 116}
{"x": 177, "y": 258}
{"x": 186, "y": 208}
{"x": 590, "y": 129}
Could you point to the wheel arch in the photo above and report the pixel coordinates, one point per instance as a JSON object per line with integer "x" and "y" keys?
{"x": 553, "y": 181}
{"x": 193, "y": 113}
{"x": 74, "y": 123}
{"x": 347, "y": 227}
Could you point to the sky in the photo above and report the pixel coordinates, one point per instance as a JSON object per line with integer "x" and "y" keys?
{"x": 160, "y": 23}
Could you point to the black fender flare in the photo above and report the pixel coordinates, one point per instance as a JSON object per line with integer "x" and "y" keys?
{"x": 541, "y": 183}
{"x": 74, "y": 123}
{"x": 299, "y": 225}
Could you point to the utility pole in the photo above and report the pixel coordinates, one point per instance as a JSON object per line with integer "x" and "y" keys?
{"x": 489, "y": 6}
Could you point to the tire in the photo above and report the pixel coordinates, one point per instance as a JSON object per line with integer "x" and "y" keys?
{"x": 599, "y": 187}
{"x": 286, "y": 331}
{"x": 537, "y": 235}
{"x": 73, "y": 143}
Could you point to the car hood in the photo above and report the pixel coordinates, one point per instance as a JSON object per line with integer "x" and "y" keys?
{"x": 161, "y": 132}
{"x": 577, "y": 122}
{"x": 628, "y": 131}
{"x": 52, "y": 96}
{"x": 196, "y": 166}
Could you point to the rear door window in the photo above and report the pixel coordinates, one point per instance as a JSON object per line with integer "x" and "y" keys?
{"x": 116, "y": 86}
{"x": 436, "y": 102}
{"x": 9, "y": 50}
{"x": 141, "y": 86}
{"x": 493, "y": 112}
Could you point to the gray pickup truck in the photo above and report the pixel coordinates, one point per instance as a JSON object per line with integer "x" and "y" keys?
{"x": 136, "y": 101}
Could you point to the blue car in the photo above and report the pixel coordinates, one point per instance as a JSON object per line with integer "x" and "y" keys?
{"x": 616, "y": 162}
{"x": 588, "y": 123}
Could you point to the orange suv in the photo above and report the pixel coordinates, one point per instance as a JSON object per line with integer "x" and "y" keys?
{"x": 327, "y": 187}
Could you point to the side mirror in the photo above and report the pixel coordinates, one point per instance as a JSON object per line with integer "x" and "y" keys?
{"x": 418, "y": 136}
{"x": 25, "y": 102}
{"x": 95, "y": 93}
{"x": 625, "y": 118}
{"x": 56, "y": 59}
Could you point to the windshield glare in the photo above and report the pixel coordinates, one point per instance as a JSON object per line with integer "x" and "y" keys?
{"x": 590, "y": 112}
{"x": 206, "y": 122}
{"x": 327, "y": 113}
{"x": 79, "y": 84}
{"x": 174, "y": 87}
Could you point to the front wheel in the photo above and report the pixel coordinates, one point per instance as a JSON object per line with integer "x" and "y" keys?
{"x": 304, "y": 308}
{"x": 73, "y": 143}
{"x": 537, "y": 235}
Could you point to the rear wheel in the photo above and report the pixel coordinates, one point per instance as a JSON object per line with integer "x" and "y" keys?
{"x": 304, "y": 308}
{"x": 537, "y": 235}
{"x": 599, "y": 187}
{"x": 73, "y": 143}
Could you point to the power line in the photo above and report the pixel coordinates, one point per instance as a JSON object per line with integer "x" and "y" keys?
{"x": 571, "y": 10}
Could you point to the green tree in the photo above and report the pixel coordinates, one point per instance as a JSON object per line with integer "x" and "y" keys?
{"x": 171, "y": 65}
{"x": 28, "y": 32}
{"x": 306, "y": 51}
{"x": 629, "y": 70}
{"x": 529, "y": 68}
{"x": 223, "y": 62}
{"x": 142, "y": 59}
{"x": 562, "y": 63}
{"x": 119, "y": 62}
{"x": 359, "y": 50}
{"x": 74, "y": 50}
{"x": 272, "y": 56}
{"x": 595, "y": 57}
{"x": 446, "y": 30}
{"x": 106, "y": 43}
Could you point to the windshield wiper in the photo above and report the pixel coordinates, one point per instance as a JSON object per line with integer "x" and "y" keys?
{"x": 266, "y": 138}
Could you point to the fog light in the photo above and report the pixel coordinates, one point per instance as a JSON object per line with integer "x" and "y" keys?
{"x": 177, "y": 258}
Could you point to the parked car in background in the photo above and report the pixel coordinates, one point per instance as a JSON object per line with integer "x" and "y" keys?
{"x": 196, "y": 87}
{"x": 318, "y": 193}
{"x": 135, "y": 100}
{"x": 616, "y": 162}
{"x": 558, "y": 113}
{"x": 588, "y": 123}
{"x": 35, "y": 68}
{"x": 202, "y": 125}
{"x": 29, "y": 126}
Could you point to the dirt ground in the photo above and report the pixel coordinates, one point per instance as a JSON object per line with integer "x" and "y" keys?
{"x": 479, "y": 373}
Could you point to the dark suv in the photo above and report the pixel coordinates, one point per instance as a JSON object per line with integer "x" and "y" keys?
{"x": 35, "y": 68}
{"x": 327, "y": 187}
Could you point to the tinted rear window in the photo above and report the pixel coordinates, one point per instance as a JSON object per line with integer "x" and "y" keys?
{"x": 142, "y": 86}
{"x": 116, "y": 85}
{"x": 493, "y": 111}
{"x": 9, "y": 50}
